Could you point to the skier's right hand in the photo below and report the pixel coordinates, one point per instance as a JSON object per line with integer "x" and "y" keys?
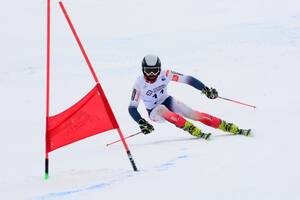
{"x": 145, "y": 127}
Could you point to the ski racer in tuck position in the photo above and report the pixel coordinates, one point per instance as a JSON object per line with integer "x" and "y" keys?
{"x": 151, "y": 87}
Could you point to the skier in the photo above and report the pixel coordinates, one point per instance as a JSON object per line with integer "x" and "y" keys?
{"x": 151, "y": 87}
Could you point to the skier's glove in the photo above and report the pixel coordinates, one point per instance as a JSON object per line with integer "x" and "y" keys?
{"x": 145, "y": 127}
{"x": 211, "y": 93}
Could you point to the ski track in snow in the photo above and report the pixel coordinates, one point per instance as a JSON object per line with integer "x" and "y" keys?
{"x": 162, "y": 167}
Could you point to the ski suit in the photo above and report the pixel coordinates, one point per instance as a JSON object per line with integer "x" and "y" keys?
{"x": 161, "y": 106}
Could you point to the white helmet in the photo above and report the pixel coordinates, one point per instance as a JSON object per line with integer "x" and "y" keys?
{"x": 151, "y": 66}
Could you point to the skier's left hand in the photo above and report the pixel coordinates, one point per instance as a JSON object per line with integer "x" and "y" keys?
{"x": 211, "y": 93}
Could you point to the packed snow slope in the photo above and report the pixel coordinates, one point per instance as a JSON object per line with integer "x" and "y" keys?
{"x": 247, "y": 50}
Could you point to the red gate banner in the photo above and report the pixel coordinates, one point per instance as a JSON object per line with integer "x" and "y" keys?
{"x": 86, "y": 118}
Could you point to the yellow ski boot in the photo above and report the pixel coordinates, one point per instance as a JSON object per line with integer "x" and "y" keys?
{"x": 193, "y": 130}
{"x": 234, "y": 129}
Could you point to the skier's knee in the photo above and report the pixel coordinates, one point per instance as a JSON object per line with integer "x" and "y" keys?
{"x": 161, "y": 110}
{"x": 175, "y": 119}
{"x": 158, "y": 113}
{"x": 192, "y": 114}
{"x": 168, "y": 115}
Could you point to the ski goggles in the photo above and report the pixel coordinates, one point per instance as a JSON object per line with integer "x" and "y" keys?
{"x": 151, "y": 71}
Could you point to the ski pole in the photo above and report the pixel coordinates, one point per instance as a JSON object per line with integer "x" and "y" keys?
{"x": 124, "y": 138}
{"x": 237, "y": 102}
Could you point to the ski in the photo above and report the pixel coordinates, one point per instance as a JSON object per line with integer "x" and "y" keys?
{"x": 206, "y": 136}
{"x": 245, "y": 132}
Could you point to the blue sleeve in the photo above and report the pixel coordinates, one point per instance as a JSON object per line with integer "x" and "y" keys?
{"x": 194, "y": 82}
{"x": 134, "y": 113}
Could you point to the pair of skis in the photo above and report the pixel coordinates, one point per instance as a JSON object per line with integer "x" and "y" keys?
{"x": 206, "y": 136}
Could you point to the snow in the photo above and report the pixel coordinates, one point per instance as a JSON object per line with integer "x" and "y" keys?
{"x": 248, "y": 50}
